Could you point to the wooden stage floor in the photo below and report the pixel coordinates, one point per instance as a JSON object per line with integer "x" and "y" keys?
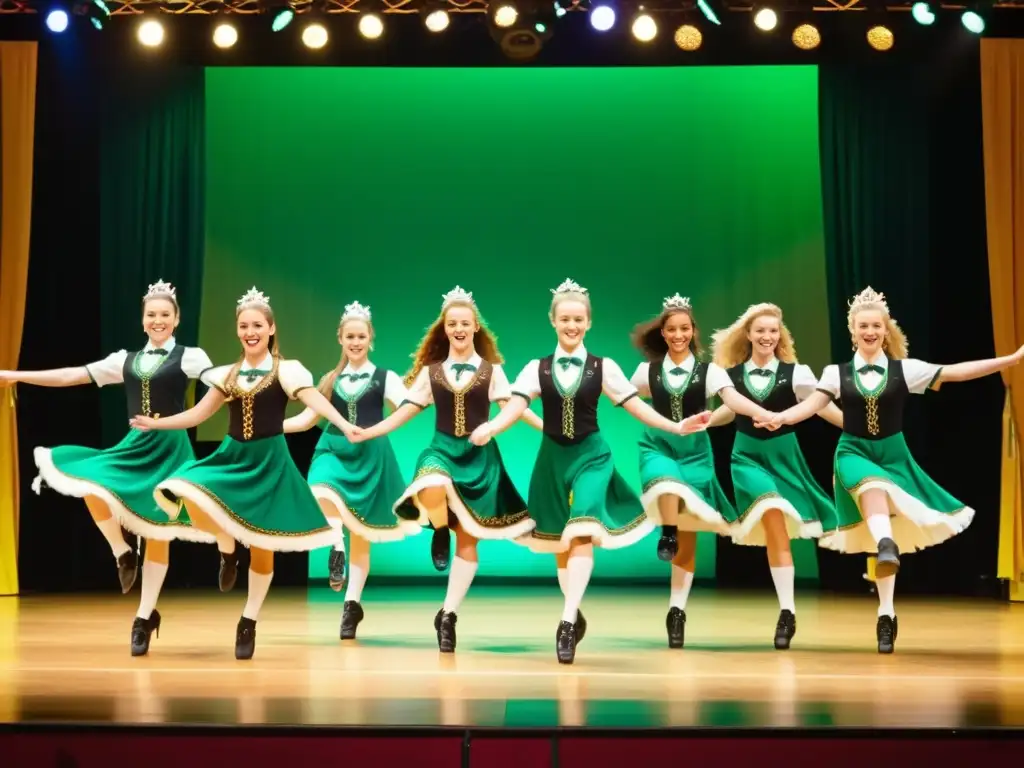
{"x": 957, "y": 663}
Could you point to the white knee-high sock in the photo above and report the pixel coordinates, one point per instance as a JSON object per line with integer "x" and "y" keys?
{"x": 880, "y": 527}
{"x": 111, "y": 530}
{"x": 783, "y": 576}
{"x": 579, "y": 571}
{"x": 563, "y": 579}
{"x": 886, "y": 590}
{"x": 152, "y": 580}
{"x": 357, "y": 573}
{"x": 682, "y": 581}
{"x": 225, "y": 543}
{"x": 459, "y": 579}
{"x": 335, "y": 523}
{"x": 259, "y": 585}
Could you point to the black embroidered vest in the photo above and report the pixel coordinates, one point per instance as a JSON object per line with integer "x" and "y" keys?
{"x": 259, "y": 413}
{"x": 693, "y": 399}
{"x": 568, "y": 420}
{"x": 777, "y": 400}
{"x": 160, "y": 392}
{"x": 873, "y": 417}
{"x": 459, "y": 413}
{"x": 368, "y": 408}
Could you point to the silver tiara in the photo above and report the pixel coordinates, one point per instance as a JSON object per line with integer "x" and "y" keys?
{"x": 569, "y": 286}
{"x": 356, "y": 311}
{"x": 868, "y": 296}
{"x": 252, "y": 296}
{"x": 676, "y": 302}
{"x": 160, "y": 288}
{"x": 456, "y": 296}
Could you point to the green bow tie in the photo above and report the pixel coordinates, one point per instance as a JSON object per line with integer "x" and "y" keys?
{"x": 869, "y": 368}
{"x": 677, "y": 371}
{"x": 253, "y": 374}
{"x": 565, "y": 362}
{"x": 761, "y": 371}
{"x": 461, "y": 368}
{"x": 156, "y": 351}
{"x": 355, "y": 376}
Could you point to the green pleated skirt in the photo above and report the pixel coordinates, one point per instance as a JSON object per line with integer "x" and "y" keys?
{"x": 772, "y": 474}
{"x": 361, "y": 481}
{"x": 683, "y": 467}
{"x": 576, "y": 492}
{"x": 123, "y": 477}
{"x": 481, "y": 495}
{"x": 923, "y": 513}
{"x": 254, "y": 492}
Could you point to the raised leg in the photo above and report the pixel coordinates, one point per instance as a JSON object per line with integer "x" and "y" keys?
{"x": 669, "y": 506}
{"x": 127, "y": 561}
{"x": 434, "y": 502}
{"x": 225, "y": 545}
{"x": 336, "y": 560}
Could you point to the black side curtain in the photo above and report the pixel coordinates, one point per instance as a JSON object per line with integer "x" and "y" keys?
{"x": 151, "y": 186}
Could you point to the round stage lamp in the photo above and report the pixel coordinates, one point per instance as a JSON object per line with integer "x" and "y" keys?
{"x": 688, "y": 38}
{"x": 922, "y": 13}
{"x": 151, "y": 33}
{"x": 806, "y": 37}
{"x": 645, "y": 28}
{"x": 57, "y": 21}
{"x": 225, "y": 36}
{"x": 437, "y": 21}
{"x": 766, "y": 19}
{"x": 314, "y": 36}
{"x": 972, "y": 22}
{"x": 371, "y": 26}
{"x": 505, "y": 15}
{"x": 881, "y": 38}
{"x": 602, "y": 18}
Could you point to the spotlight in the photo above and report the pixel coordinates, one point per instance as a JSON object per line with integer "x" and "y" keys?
{"x": 151, "y": 33}
{"x": 437, "y": 21}
{"x": 806, "y": 37}
{"x": 645, "y": 28}
{"x": 881, "y": 38}
{"x": 709, "y": 14}
{"x": 766, "y": 19}
{"x": 505, "y": 15}
{"x": 972, "y": 22}
{"x": 314, "y": 36}
{"x": 371, "y": 26}
{"x": 283, "y": 15}
{"x": 57, "y": 20}
{"x": 688, "y": 37}
{"x": 922, "y": 13}
{"x": 602, "y": 18}
{"x": 224, "y": 35}
{"x": 96, "y": 11}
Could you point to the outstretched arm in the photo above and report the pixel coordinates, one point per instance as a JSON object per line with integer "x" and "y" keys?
{"x": 815, "y": 402}
{"x": 832, "y": 415}
{"x": 975, "y": 369}
{"x": 313, "y": 399}
{"x": 398, "y": 417}
{"x": 528, "y": 416}
{"x": 645, "y": 413}
{"x": 57, "y": 377}
{"x": 510, "y": 413}
{"x": 301, "y": 422}
{"x": 193, "y": 417}
{"x": 737, "y": 403}
{"x": 721, "y": 416}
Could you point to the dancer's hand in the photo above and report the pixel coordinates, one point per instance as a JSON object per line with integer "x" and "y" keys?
{"x": 696, "y": 423}
{"x": 142, "y": 423}
{"x": 770, "y": 421}
{"x": 7, "y": 378}
{"x": 1017, "y": 356}
{"x": 353, "y": 433}
{"x": 481, "y": 435}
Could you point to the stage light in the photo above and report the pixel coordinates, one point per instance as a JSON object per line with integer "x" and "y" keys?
{"x": 57, "y": 21}
{"x": 371, "y": 26}
{"x": 688, "y": 37}
{"x": 282, "y": 19}
{"x": 972, "y": 22}
{"x": 881, "y": 38}
{"x": 505, "y": 15}
{"x": 645, "y": 28}
{"x": 766, "y": 19}
{"x": 96, "y": 11}
{"x": 806, "y": 37}
{"x": 922, "y": 13}
{"x": 151, "y": 33}
{"x": 314, "y": 36}
{"x": 709, "y": 14}
{"x": 224, "y": 35}
{"x": 602, "y": 18}
{"x": 437, "y": 21}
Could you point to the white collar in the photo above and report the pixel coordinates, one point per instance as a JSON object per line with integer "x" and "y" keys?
{"x": 167, "y": 347}
{"x": 367, "y": 366}
{"x": 475, "y": 361}
{"x": 686, "y": 365}
{"x": 580, "y": 352}
{"x": 265, "y": 365}
{"x": 773, "y": 365}
{"x": 881, "y": 361}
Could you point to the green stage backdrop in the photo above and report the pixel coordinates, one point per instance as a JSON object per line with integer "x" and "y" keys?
{"x": 391, "y": 186}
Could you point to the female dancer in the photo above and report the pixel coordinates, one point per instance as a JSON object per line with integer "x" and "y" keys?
{"x": 677, "y": 472}
{"x": 249, "y": 489}
{"x": 775, "y": 492}
{"x": 576, "y": 496}
{"x": 876, "y": 478}
{"x": 356, "y": 484}
{"x": 458, "y": 368}
{"x": 117, "y": 483}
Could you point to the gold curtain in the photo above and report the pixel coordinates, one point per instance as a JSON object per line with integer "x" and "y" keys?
{"x": 1002, "y": 99}
{"x": 17, "y": 134}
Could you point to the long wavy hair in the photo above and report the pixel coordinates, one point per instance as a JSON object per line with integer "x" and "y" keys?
{"x": 895, "y": 344}
{"x": 434, "y": 347}
{"x": 647, "y": 338}
{"x": 272, "y": 346}
{"x": 730, "y": 346}
{"x": 327, "y": 382}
